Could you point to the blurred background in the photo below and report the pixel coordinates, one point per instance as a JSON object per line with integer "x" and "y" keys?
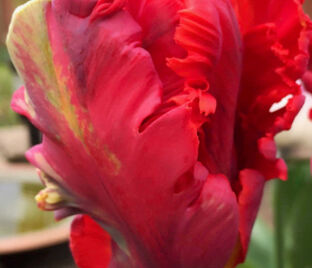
{"x": 28, "y": 237}
{"x": 281, "y": 237}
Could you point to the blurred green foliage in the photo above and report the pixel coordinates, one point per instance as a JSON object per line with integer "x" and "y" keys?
{"x": 31, "y": 217}
{"x": 7, "y": 116}
{"x": 4, "y": 56}
{"x": 260, "y": 252}
{"x": 289, "y": 245}
{"x": 19, "y": 2}
{"x": 293, "y": 217}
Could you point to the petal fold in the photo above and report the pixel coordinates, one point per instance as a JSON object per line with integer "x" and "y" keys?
{"x": 204, "y": 241}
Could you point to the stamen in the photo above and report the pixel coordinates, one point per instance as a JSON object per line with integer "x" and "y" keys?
{"x": 49, "y": 198}
{"x": 52, "y": 196}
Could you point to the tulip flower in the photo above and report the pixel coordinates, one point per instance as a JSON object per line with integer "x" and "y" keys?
{"x": 158, "y": 120}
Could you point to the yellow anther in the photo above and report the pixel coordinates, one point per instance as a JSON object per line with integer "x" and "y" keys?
{"x": 41, "y": 197}
{"x": 53, "y": 198}
{"x": 48, "y": 198}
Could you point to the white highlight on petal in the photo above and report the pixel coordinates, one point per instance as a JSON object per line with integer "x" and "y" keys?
{"x": 281, "y": 104}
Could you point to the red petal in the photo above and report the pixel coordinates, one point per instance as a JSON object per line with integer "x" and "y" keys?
{"x": 94, "y": 93}
{"x": 206, "y": 241}
{"x": 159, "y": 19}
{"x": 106, "y": 7}
{"x": 209, "y": 32}
{"x": 89, "y": 243}
{"x": 307, "y": 79}
{"x": 276, "y": 35}
{"x": 80, "y": 8}
{"x": 248, "y": 201}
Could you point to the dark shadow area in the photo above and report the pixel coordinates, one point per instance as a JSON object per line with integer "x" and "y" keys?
{"x": 58, "y": 256}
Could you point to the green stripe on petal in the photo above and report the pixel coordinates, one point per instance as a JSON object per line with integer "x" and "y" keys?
{"x": 50, "y": 84}
{"x": 29, "y": 47}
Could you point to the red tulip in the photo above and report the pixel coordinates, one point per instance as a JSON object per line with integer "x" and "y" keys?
{"x": 158, "y": 120}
